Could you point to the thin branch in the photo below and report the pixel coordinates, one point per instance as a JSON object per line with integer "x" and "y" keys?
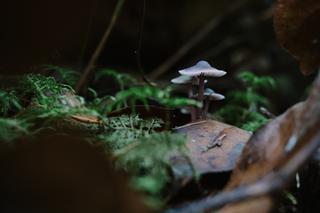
{"x": 195, "y": 40}
{"x": 87, "y": 35}
{"x": 92, "y": 63}
{"x": 137, "y": 52}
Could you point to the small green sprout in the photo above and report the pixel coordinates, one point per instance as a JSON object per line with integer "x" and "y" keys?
{"x": 121, "y": 78}
{"x": 66, "y": 75}
{"x": 9, "y": 101}
{"x": 146, "y": 93}
{"x": 242, "y": 109}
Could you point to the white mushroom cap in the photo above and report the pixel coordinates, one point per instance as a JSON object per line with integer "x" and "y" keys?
{"x": 212, "y": 95}
{"x": 202, "y": 67}
{"x": 185, "y": 110}
{"x": 184, "y": 79}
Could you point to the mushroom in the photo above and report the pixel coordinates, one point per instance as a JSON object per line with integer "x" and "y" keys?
{"x": 199, "y": 71}
{"x": 210, "y": 95}
{"x": 202, "y": 67}
{"x": 183, "y": 79}
{"x": 187, "y": 80}
{"x": 190, "y": 81}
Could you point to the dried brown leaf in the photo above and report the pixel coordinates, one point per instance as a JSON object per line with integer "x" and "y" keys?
{"x": 213, "y": 146}
{"x": 296, "y": 24}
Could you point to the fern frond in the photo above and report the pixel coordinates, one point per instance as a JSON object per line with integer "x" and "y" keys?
{"x": 11, "y": 129}
{"x": 121, "y": 78}
{"x": 143, "y": 94}
{"x": 9, "y": 102}
{"x": 66, "y": 75}
{"x": 149, "y": 161}
{"x": 255, "y": 82}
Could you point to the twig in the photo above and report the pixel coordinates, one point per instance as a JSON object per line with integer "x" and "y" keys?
{"x": 190, "y": 124}
{"x": 266, "y": 112}
{"x": 87, "y": 35}
{"x": 216, "y": 142}
{"x": 137, "y": 52}
{"x": 220, "y": 48}
{"x": 91, "y": 65}
{"x": 205, "y": 30}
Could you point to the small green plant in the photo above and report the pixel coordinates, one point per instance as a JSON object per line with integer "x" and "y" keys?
{"x": 242, "y": 108}
{"x": 252, "y": 96}
{"x": 121, "y": 78}
{"x": 146, "y": 93}
{"x": 11, "y": 129}
{"x": 143, "y": 152}
{"x": 50, "y": 100}
{"x": 9, "y": 101}
{"x": 293, "y": 200}
{"x": 99, "y": 103}
{"x": 45, "y": 101}
{"x": 45, "y": 90}
{"x": 149, "y": 163}
{"x": 65, "y": 75}
{"x": 48, "y": 93}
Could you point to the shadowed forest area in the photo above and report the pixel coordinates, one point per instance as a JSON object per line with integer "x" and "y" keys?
{"x": 160, "y": 106}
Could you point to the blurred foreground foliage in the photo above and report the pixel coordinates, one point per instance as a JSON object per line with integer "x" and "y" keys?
{"x": 42, "y": 103}
{"x": 140, "y": 146}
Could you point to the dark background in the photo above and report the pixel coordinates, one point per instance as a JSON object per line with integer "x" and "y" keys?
{"x": 65, "y": 33}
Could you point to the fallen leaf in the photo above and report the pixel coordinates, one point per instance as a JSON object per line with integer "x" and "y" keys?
{"x": 296, "y": 23}
{"x": 212, "y": 146}
{"x": 86, "y": 119}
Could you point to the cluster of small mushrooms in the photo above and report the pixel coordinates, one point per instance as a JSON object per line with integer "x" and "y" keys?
{"x": 194, "y": 77}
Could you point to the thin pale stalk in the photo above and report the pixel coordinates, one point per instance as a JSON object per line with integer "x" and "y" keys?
{"x": 192, "y": 108}
{"x": 200, "y": 95}
{"x": 206, "y": 108}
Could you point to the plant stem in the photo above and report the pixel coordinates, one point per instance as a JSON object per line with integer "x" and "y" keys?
{"x": 192, "y": 108}
{"x": 206, "y": 107}
{"x": 200, "y": 95}
{"x": 90, "y": 67}
{"x": 139, "y": 46}
{"x": 87, "y": 35}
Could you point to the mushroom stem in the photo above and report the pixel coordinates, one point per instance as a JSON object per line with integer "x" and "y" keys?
{"x": 200, "y": 94}
{"x": 206, "y": 107}
{"x": 192, "y": 108}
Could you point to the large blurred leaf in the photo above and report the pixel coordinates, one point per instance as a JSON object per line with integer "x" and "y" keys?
{"x": 297, "y": 28}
